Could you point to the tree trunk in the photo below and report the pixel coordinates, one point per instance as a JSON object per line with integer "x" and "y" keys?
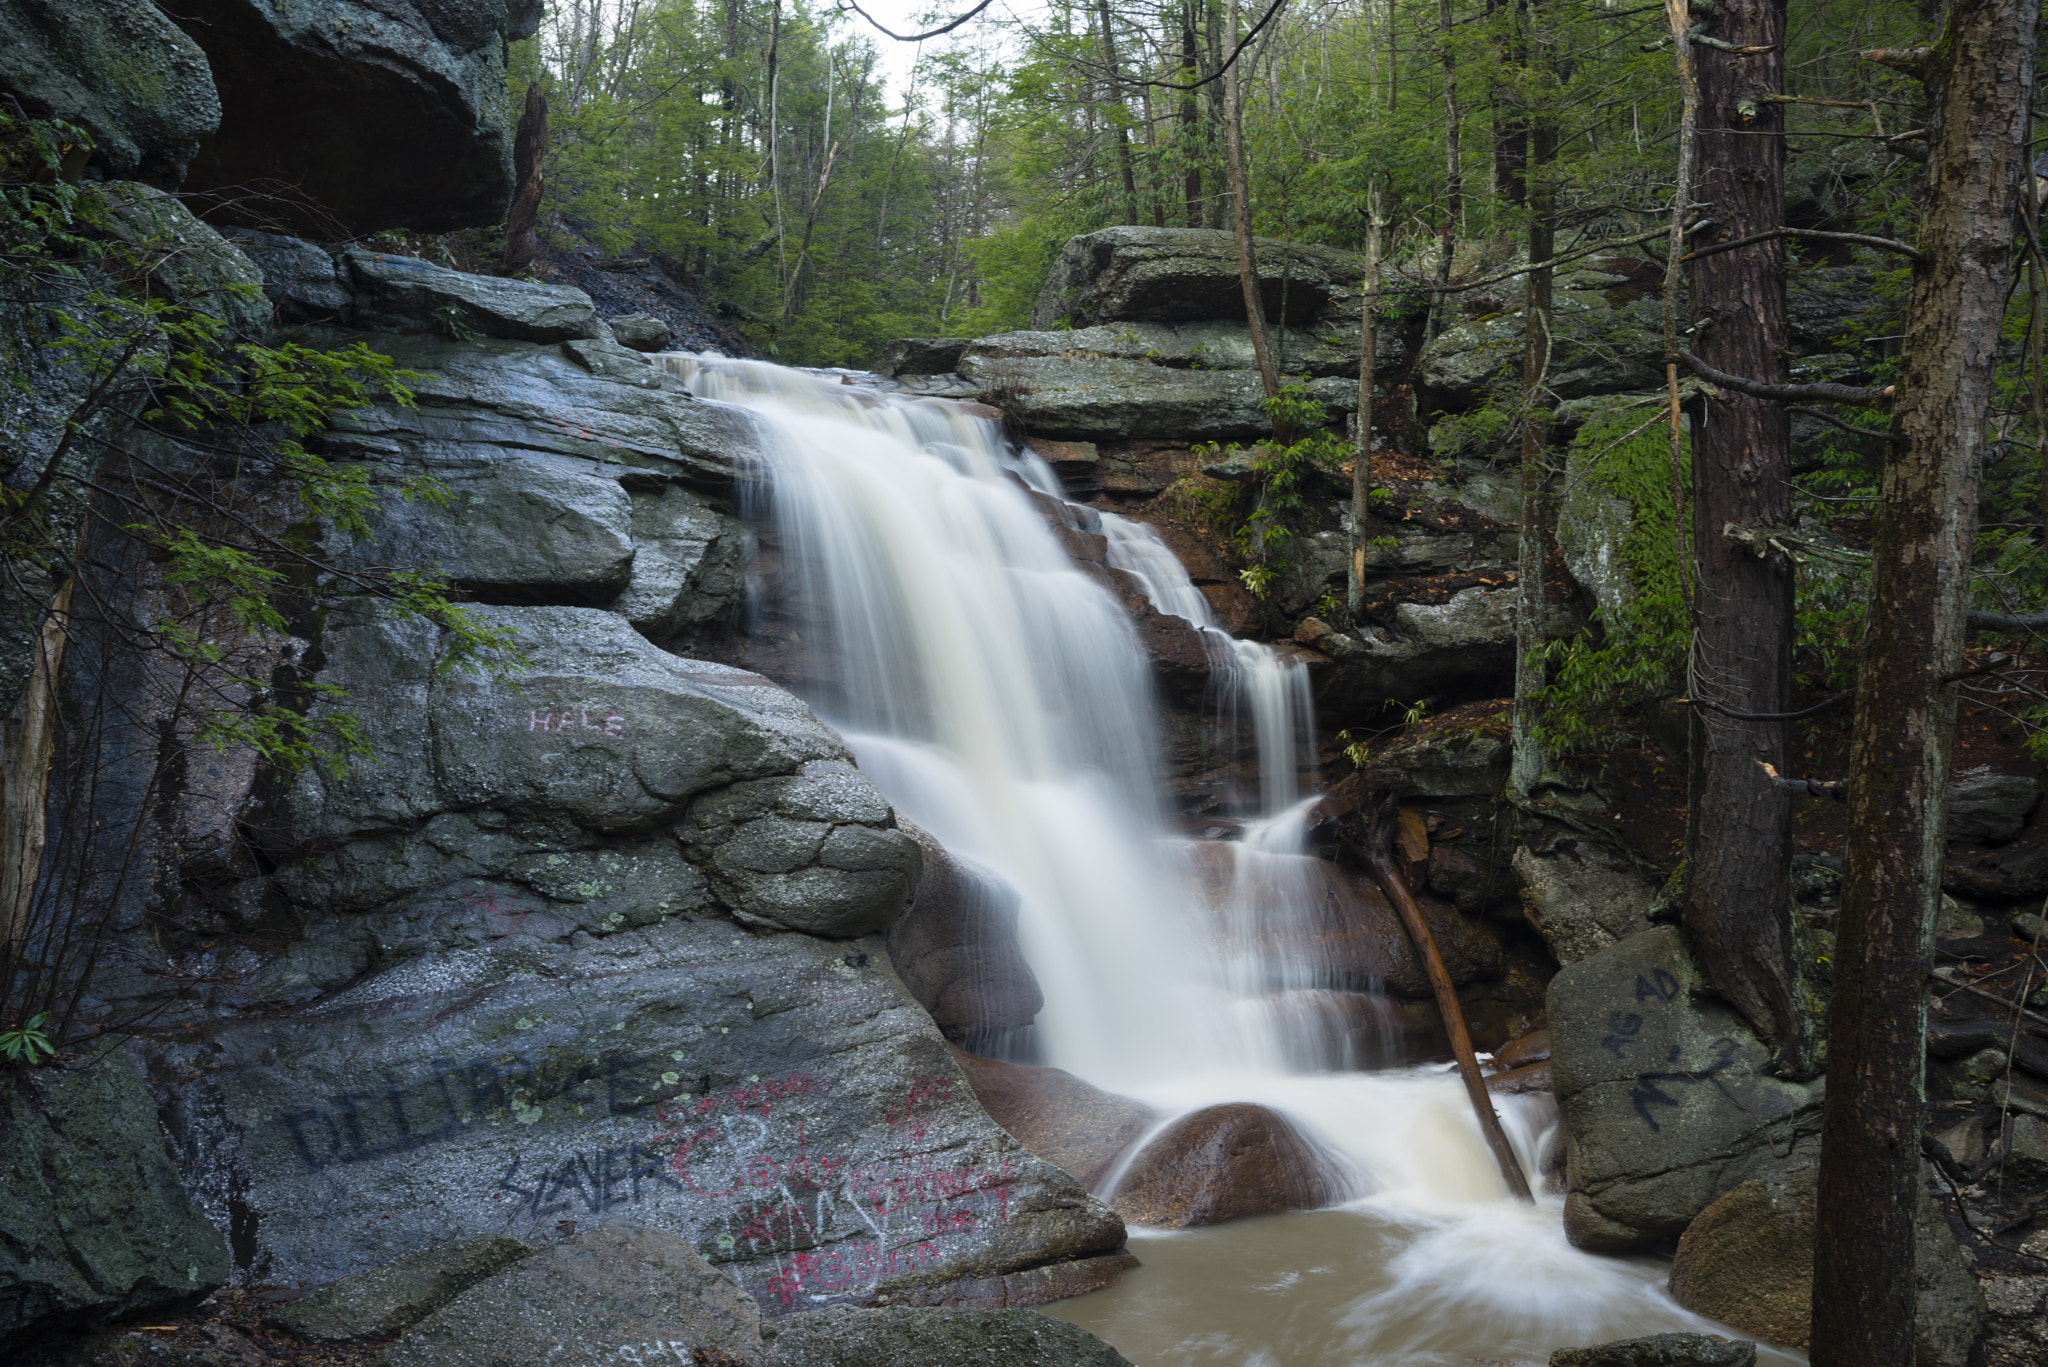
{"x": 1116, "y": 116}
{"x": 1738, "y": 846}
{"x": 1190, "y": 118}
{"x": 1247, "y": 259}
{"x": 1368, "y": 346}
{"x": 1454, "y": 176}
{"x": 1863, "y": 1288}
{"x": 1525, "y": 764}
{"x": 28, "y": 740}
{"x": 1510, "y": 122}
{"x": 529, "y": 165}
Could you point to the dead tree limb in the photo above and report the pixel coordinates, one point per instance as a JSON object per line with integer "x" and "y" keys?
{"x": 1829, "y": 393}
{"x": 1377, "y": 851}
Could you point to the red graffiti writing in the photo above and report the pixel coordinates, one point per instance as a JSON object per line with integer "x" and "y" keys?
{"x": 857, "y": 1264}
{"x": 903, "y": 1114}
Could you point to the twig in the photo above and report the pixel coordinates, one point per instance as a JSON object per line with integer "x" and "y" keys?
{"x": 1834, "y": 789}
{"x": 1851, "y": 428}
{"x": 1826, "y": 393}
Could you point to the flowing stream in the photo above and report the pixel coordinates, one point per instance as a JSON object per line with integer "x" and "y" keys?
{"x": 999, "y": 697}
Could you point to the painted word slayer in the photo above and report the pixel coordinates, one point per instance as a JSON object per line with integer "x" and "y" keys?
{"x": 575, "y": 719}
{"x": 596, "y": 1179}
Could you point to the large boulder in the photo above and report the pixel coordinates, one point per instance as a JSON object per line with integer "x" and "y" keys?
{"x": 1748, "y": 1262}
{"x": 1180, "y": 275}
{"x": 897, "y": 1337}
{"x": 1224, "y": 1163}
{"x": 1463, "y": 641}
{"x": 956, "y": 948}
{"x": 406, "y": 294}
{"x": 356, "y": 116}
{"x": 572, "y": 783}
{"x": 641, "y": 1290}
{"x": 93, "y": 1222}
{"x": 1986, "y": 806}
{"x": 1665, "y": 1091}
{"x": 188, "y": 263}
{"x": 303, "y": 282}
{"x": 120, "y": 70}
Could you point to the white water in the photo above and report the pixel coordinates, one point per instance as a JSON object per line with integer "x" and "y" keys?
{"x": 999, "y": 698}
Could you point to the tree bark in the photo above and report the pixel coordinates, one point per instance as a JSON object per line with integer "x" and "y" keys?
{"x": 1738, "y": 846}
{"x": 529, "y": 166}
{"x": 1454, "y": 176}
{"x": 1247, "y": 259}
{"x": 1190, "y": 117}
{"x": 1525, "y": 763}
{"x": 28, "y": 740}
{"x": 1863, "y": 1289}
{"x": 1368, "y": 347}
{"x": 1116, "y": 116}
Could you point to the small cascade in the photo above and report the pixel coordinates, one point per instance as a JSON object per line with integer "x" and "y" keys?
{"x": 998, "y": 696}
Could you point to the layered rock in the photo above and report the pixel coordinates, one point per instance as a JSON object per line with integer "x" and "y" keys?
{"x": 1176, "y": 275}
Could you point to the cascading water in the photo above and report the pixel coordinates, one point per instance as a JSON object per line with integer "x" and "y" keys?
{"x": 999, "y": 697}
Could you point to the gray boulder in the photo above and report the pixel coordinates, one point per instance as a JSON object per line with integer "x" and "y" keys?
{"x": 93, "y": 1221}
{"x": 1582, "y": 897}
{"x": 1661, "y": 1350}
{"x": 406, "y": 294}
{"x": 640, "y": 331}
{"x": 384, "y": 1303}
{"x": 480, "y": 404}
{"x": 1987, "y": 806}
{"x": 120, "y": 70}
{"x": 1104, "y": 399}
{"x": 1666, "y": 1099}
{"x": 1449, "y": 763}
{"x": 1324, "y": 349}
{"x": 643, "y": 1291}
{"x": 1426, "y": 648}
{"x": 1178, "y": 275}
{"x": 912, "y": 1338}
{"x": 776, "y": 1101}
{"x": 302, "y": 280}
{"x": 1597, "y": 350}
{"x": 372, "y": 116}
{"x": 921, "y": 356}
{"x": 187, "y": 261}
{"x": 525, "y": 529}
{"x": 686, "y": 564}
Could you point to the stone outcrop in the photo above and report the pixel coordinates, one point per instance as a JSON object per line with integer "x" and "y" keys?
{"x": 1666, "y": 1099}
{"x": 1177, "y": 275}
{"x": 1582, "y": 897}
{"x": 1102, "y": 398}
{"x": 385, "y": 1303}
{"x": 618, "y": 1285}
{"x": 406, "y": 294}
{"x": 1748, "y": 1262}
{"x": 93, "y": 1222}
{"x": 344, "y": 117}
{"x": 119, "y": 69}
{"x": 900, "y": 1338}
{"x": 1661, "y": 1350}
{"x": 1076, "y": 1127}
{"x": 956, "y": 949}
{"x": 1224, "y": 1163}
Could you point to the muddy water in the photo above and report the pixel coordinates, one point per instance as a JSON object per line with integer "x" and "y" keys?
{"x": 1379, "y": 1284}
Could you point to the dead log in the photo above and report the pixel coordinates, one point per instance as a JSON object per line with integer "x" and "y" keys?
{"x": 1377, "y": 851}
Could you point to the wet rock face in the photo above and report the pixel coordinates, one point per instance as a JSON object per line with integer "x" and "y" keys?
{"x": 366, "y": 116}
{"x": 120, "y": 70}
{"x": 1748, "y": 1262}
{"x": 956, "y": 948}
{"x": 1071, "y": 1124}
{"x": 1666, "y": 1102}
{"x": 1224, "y": 1163}
{"x": 386, "y": 1302}
{"x": 93, "y": 1222}
{"x": 1101, "y": 399}
{"x": 1582, "y": 897}
{"x": 406, "y": 294}
{"x": 900, "y": 1338}
{"x": 1177, "y": 275}
{"x": 616, "y": 1288}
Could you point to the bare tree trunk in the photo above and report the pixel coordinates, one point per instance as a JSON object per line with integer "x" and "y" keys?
{"x": 1863, "y": 1286}
{"x": 1116, "y": 115}
{"x": 1190, "y": 118}
{"x": 1510, "y": 125}
{"x": 529, "y": 170}
{"x": 28, "y": 739}
{"x": 1247, "y": 260}
{"x": 1738, "y": 848}
{"x": 1454, "y": 175}
{"x": 1368, "y": 347}
{"x": 1525, "y": 764}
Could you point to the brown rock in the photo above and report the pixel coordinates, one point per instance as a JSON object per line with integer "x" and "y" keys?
{"x": 1056, "y": 1115}
{"x": 1533, "y": 1047}
{"x": 955, "y": 947}
{"x": 1234, "y": 610}
{"x": 1223, "y": 1163}
{"x": 1747, "y": 1260}
{"x": 1534, "y": 1077}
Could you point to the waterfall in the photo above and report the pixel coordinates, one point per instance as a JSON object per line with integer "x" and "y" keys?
{"x": 998, "y": 695}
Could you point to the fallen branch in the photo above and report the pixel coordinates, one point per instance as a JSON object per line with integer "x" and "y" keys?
{"x": 1788, "y": 393}
{"x": 1883, "y": 244}
{"x": 1851, "y": 428}
{"x": 1377, "y": 851}
{"x": 1834, "y": 789}
{"x": 1998, "y": 621}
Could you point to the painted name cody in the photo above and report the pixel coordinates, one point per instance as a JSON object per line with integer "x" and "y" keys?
{"x": 767, "y": 1169}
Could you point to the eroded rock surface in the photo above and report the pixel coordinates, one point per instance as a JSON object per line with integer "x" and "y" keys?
{"x": 1224, "y": 1163}
{"x": 900, "y": 1338}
